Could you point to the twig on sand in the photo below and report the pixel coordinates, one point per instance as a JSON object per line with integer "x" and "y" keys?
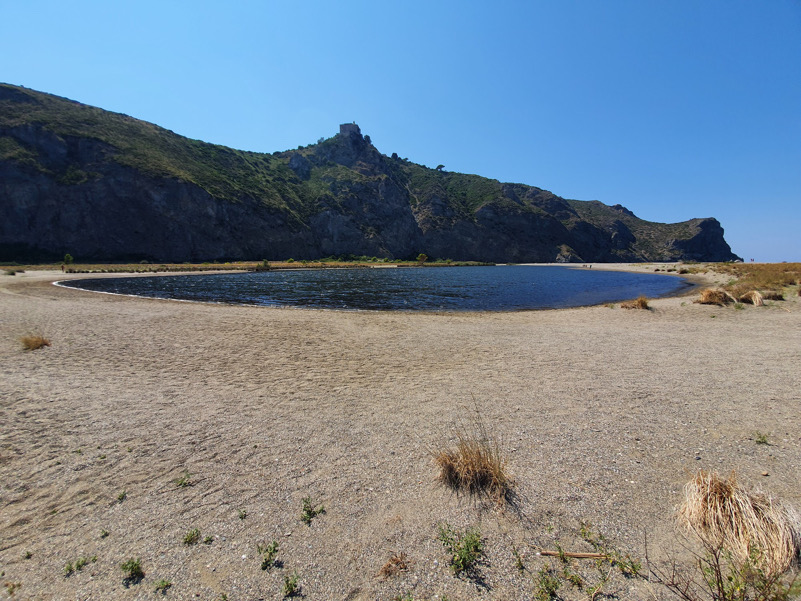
{"x": 572, "y": 555}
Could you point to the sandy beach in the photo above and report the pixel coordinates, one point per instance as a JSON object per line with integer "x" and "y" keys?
{"x": 603, "y": 414}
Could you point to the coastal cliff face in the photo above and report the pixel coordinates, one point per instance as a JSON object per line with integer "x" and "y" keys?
{"x": 104, "y": 186}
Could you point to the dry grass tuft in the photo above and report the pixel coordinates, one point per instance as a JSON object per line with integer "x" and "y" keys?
{"x": 749, "y": 525}
{"x": 715, "y": 296}
{"x": 638, "y": 303}
{"x": 754, "y": 297}
{"x": 32, "y": 342}
{"x": 399, "y": 562}
{"x": 475, "y": 464}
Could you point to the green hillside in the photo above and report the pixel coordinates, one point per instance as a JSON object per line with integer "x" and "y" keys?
{"x": 341, "y": 194}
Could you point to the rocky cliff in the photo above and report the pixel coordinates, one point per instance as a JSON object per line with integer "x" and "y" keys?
{"x": 104, "y": 186}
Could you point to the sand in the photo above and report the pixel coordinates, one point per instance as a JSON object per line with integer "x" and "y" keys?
{"x": 603, "y": 413}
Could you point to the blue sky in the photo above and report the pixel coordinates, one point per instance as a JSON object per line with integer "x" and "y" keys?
{"x": 674, "y": 109}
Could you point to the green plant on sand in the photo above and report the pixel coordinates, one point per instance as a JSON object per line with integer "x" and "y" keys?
{"x": 465, "y": 547}
{"x": 309, "y": 511}
{"x": 132, "y": 569}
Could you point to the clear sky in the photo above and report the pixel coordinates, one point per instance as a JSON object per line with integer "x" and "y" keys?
{"x": 675, "y": 109}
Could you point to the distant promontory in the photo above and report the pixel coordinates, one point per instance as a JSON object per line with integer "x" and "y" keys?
{"x": 104, "y": 187}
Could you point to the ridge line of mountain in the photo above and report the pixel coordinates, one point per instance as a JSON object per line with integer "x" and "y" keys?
{"x": 106, "y": 186}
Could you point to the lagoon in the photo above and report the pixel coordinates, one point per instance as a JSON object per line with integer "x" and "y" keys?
{"x": 486, "y": 288}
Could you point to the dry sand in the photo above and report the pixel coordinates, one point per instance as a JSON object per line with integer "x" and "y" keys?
{"x": 604, "y": 414}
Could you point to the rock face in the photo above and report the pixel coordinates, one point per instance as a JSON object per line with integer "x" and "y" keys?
{"x": 104, "y": 186}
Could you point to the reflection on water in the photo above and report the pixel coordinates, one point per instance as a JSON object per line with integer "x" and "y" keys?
{"x": 500, "y": 288}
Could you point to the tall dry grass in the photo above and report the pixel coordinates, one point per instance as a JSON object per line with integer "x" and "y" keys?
{"x": 715, "y": 296}
{"x": 640, "y": 302}
{"x": 753, "y": 297}
{"x": 753, "y": 283}
{"x": 762, "y": 276}
{"x": 749, "y": 525}
{"x": 474, "y": 463}
{"x": 32, "y": 342}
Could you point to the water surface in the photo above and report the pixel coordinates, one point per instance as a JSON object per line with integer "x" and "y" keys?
{"x": 496, "y": 288}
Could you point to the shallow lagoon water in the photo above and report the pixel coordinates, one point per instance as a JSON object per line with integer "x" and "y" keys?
{"x": 495, "y": 288}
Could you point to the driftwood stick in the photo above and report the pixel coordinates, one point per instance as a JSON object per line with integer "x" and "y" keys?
{"x": 572, "y": 555}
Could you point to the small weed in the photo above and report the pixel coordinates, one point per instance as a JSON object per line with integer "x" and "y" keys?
{"x": 242, "y": 514}
{"x": 628, "y": 566}
{"x": 518, "y": 560}
{"x": 162, "y": 586}
{"x": 184, "y": 481}
{"x": 291, "y": 587}
{"x": 102, "y": 457}
{"x": 604, "y": 575}
{"x": 739, "y": 306}
{"x": 607, "y": 560}
{"x": 192, "y": 537}
{"x": 104, "y": 533}
{"x": 722, "y": 577}
{"x": 78, "y": 451}
{"x": 404, "y": 597}
{"x": 12, "y": 587}
{"x": 34, "y": 342}
{"x": 761, "y": 438}
{"x": 132, "y": 570}
{"x": 223, "y": 597}
{"x": 268, "y": 553}
{"x": 27, "y": 555}
{"x": 309, "y": 512}
{"x": 547, "y": 584}
{"x": 561, "y": 554}
{"x": 208, "y": 540}
{"x": 399, "y": 562}
{"x": 465, "y": 547}
{"x": 81, "y": 562}
{"x": 572, "y": 577}
{"x": 122, "y": 496}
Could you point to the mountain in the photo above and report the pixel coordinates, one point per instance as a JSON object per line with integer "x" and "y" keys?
{"x": 105, "y": 186}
